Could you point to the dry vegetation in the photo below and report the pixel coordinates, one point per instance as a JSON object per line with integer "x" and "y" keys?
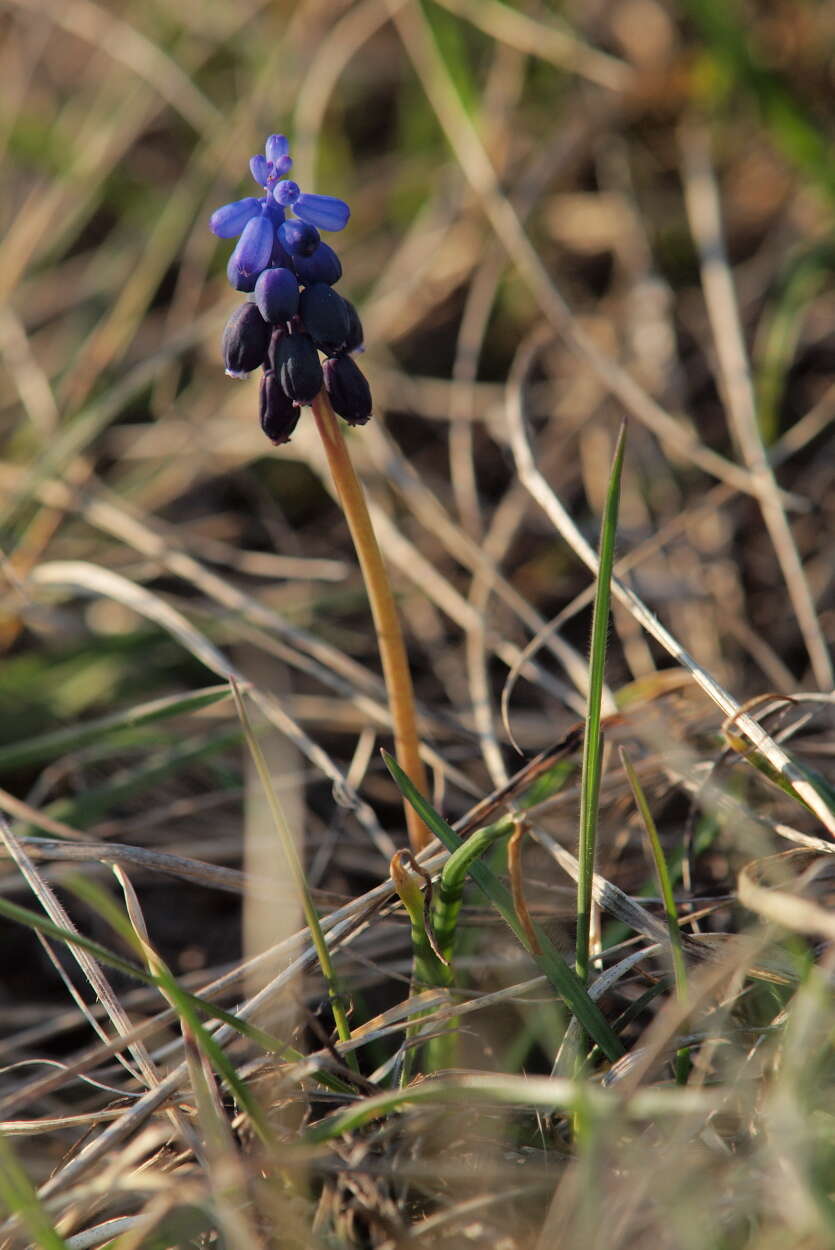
{"x": 562, "y": 216}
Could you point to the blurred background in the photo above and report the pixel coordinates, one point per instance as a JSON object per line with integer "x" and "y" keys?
{"x": 540, "y": 192}
{"x": 576, "y": 213}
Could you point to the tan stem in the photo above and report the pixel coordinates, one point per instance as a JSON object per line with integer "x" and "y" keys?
{"x": 396, "y": 672}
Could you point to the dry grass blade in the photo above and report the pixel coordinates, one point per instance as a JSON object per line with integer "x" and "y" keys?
{"x": 91, "y": 969}
{"x": 566, "y": 527}
{"x": 480, "y": 173}
{"x": 559, "y": 45}
{"x": 704, "y": 211}
{"x": 545, "y": 1092}
{"x": 90, "y": 578}
{"x": 144, "y": 58}
{"x": 180, "y": 866}
{"x": 774, "y": 888}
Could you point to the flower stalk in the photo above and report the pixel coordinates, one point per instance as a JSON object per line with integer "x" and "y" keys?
{"x": 294, "y": 314}
{"x": 396, "y": 672}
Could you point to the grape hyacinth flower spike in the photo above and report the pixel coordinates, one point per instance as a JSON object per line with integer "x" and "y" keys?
{"x": 281, "y": 261}
{"x": 292, "y": 316}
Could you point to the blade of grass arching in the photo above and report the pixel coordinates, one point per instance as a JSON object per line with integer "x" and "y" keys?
{"x": 662, "y": 872}
{"x": 450, "y": 892}
{"x": 288, "y": 846}
{"x": 50, "y": 745}
{"x": 546, "y": 1093}
{"x": 592, "y": 741}
{"x": 456, "y": 47}
{"x": 19, "y": 1198}
{"x": 96, "y": 803}
{"x": 267, "y": 1042}
{"x": 815, "y": 780}
{"x": 561, "y": 976}
{"x": 133, "y": 930}
{"x": 682, "y": 1060}
{"x": 781, "y": 326}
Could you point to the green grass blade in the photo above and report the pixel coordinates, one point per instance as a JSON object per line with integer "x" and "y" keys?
{"x": 663, "y": 874}
{"x": 293, "y": 862}
{"x": 185, "y": 1004}
{"x": 781, "y": 326}
{"x": 50, "y": 745}
{"x": 562, "y": 977}
{"x": 95, "y": 804}
{"x": 450, "y": 891}
{"x": 592, "y": 741}
{"x": 19, "y": 1198}
{"x": 42, "y": 924}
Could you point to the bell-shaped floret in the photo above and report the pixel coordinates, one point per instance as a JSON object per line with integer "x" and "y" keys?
{"x": 324, "y": 316}
{"x": 356, "y": 337}
{"x": 245, "y": 341}
{"x": 271, "y": 363}
{"x": 298, "y": 238}
{"x": 298, "y": 368}
{"x": 349, "y": 392}
{"x": 279, "y": 415}
{"x": 254, "y": 247}
{"x": 277, "y": 295}
{"x": 229, "y": 221}
{"x": 240, "y": 281}
{"x": 325, "y": 212}
{"x": 323, "y": 266}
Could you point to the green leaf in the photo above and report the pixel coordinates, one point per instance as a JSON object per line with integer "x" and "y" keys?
{"x": 19, "y": 1197}
{"x": 42, "y": 924}
{"x": 50, "y": 745}
{"x": 562, "y": 977}
{"x": 592, "y": 740}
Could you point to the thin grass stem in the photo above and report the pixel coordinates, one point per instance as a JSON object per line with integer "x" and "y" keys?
{"x": 663, "y": 874}
{"x": 592, "y": 741}
{"x": 288, "y": 846}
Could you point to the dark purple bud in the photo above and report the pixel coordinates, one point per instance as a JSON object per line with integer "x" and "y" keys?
{"x": 323, "y": 266}
{"x": 254, "y": 247}
{"x": 229, "y": 221}
{"x": 325, "y": 317}
{"x": 279, "y": 415}
{"x": 245, "y": 341}
{"x": 286, "y": 193}
{"x": 240, "y": 281}
{"x": 298, "y": 238}
{"x": 324, "y": 211}
{"x": 277, "y": 295}
{"x": 271, "y": 363}
{"x": 298, "y": 368}
{"x": 280, "y": 258}
{"x": 356, "y": 337}
{"x": 348, "y": 390}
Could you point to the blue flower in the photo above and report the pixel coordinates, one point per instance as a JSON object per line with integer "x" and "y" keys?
{"x": 257, "y": 220}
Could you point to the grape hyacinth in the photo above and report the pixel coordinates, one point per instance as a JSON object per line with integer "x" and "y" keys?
{"x": 293, "y": 312}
